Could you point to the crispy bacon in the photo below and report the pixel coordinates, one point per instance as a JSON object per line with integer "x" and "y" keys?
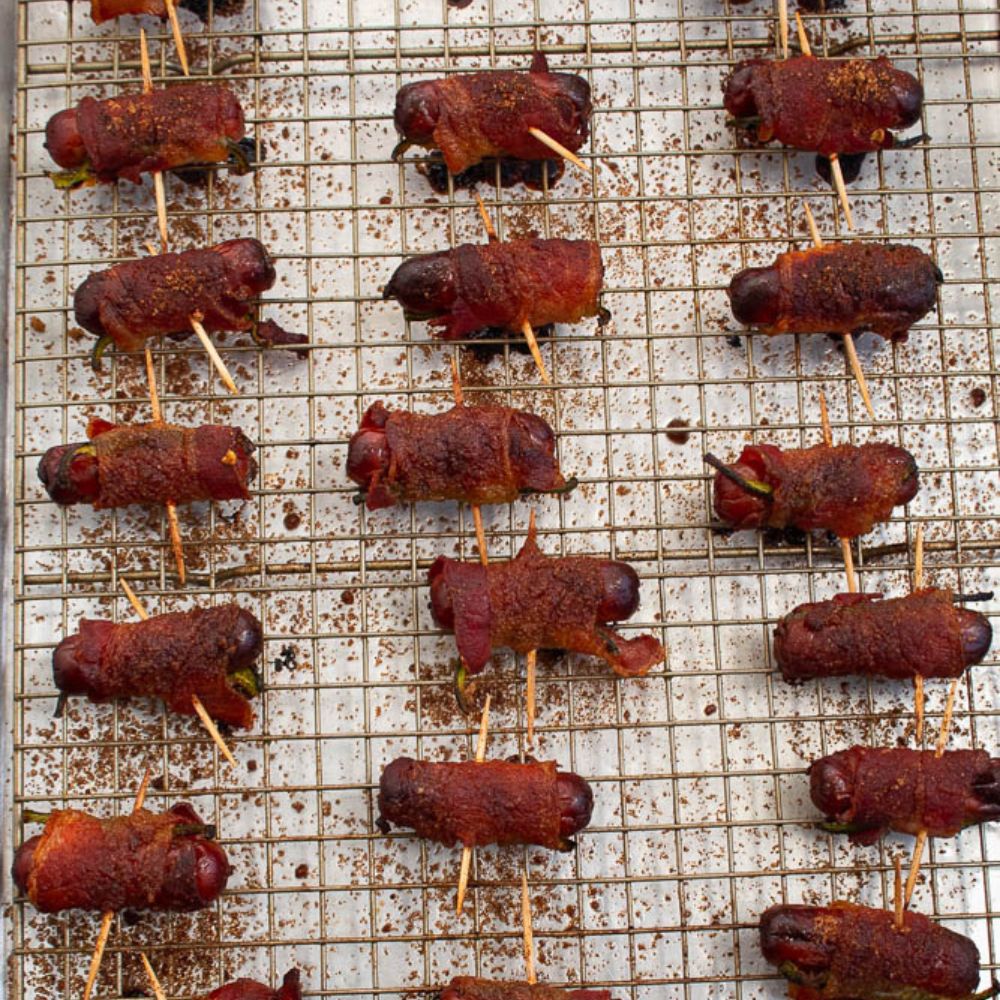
{"x": 208, "y": 652}
{"x": 541, "y": 602}
{"x": 158, "y": 295}
{"x": 154, "y": 463}
{"x": 470, "y": 988}
{"x": 826, "y": 106}
{"x": 838, "y": 288}
{"x": 144, "y": 861}
{"x": 473, "y": 117}
{"x": 920, "y": 635}
{"x": 868, "y": 791}
{"x": 486, "y": 286}
{"x": 248, "y": 989}
{"x": 845, "y": 488}
{"x": 494, "y": 802}
{"x": 107, "y": 10}
{"x": 473, "y": 454}
{"x": 127, "y": 136}
{"x": 843, "y": 952}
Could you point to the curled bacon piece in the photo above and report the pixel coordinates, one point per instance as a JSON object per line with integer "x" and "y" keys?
{"x": 157, "y": 296}
{"x": 248, "y": 989}
{"x": 107, "y": 10}
{"x": 127, "y": 136}
{"x": 472, "y": 117}
{"x": 843, "y": 952}
{"x": 541, "y": 602}
{"x": 493, "y": 802}
{"x": 143, "y": 861}
{"x": 155, "y": 463}
{"x": 826, "y": 106}
{"x": 845, "y": 488}
{"x": 469, "y": 988}
{"x": 868, "y": 791}
{"x": 920, "y": 635}
{"x": 473, "y": 454}
{"x": 838, "y": 288}
{"x": 501, "y": 286}
{"x": 208, "y": 652}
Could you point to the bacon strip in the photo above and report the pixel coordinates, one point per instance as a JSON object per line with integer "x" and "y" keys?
{"x": 158, "y": 295}
{"x": 149, "y": 861}
{"x": 541, "y": 602}
{"x": 171, "y": 657}
{"x": 494, "y": 802}
{"x": 248, "y": 989}
{"x": 502, "y": 286}
{"x": 846, "y": 489}
{"x": 843, "y": 951}
{"x": 868, "y": 791}
{"x": 825, "y": 106}
{"x": 469, "y": 988}
{"x": 920, "y": 635}
{"x": 154, "y": 463}
{"x": 472, "y": 454}
{"x": 107, "y": 10}
{"x": 838, "y": 288}
{"x": 473, "y": 117}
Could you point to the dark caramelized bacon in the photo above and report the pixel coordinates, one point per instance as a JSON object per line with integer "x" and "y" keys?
{"x": 493, "y": 802}
{"x": 920, "y": 635}
{"x": 473, "y": 454}
{"x": 846, "y": 489}
{"x": 472, "y": 117}
{"x": 154, "y": 463}
{"x": 207, "y": 652}
{"x": 469, "y": 988}
{"x": 107, "y": 10}
{"x": 142, "y": 861}
{"x": 825, "y": 106}
{"x": 501, "y": 286}
{"x": 868, "y": 791}
{"x": 838, "y": 288}
{"x": 248, "y": 989}
{"x": 127, "y": 136}
{"x": 537, "y": 175}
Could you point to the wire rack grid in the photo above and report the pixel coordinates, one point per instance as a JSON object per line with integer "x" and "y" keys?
{"x": 702, "y": 815}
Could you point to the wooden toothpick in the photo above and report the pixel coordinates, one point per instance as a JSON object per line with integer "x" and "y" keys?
{"x": 213, "y": 354}
{"x": 897, "y": 895}
{"x": 151, "y": 976}
{"x": 531, "y": 664}
{"x": 783, "y": 27}
{"x": 918, "y": 680}
{"x": 558, "y": 147}
{"x": 477, "y": 514}
{"x": 528, "y": 931}
{"x": 175, "y": 27}
{"x": 845, "y": 543}
{"x": 463, "y": 875}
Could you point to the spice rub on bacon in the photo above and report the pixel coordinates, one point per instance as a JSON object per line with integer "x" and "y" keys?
{"x": 125, "y": 137}
{"x": 472, "y": 117}
{"x": 838, "y": 288}
{"x": 156, "y": 463}
{"x": 501, "y": 286}
{"x": 920, "y": 635}
{"x": 844, "y": 952}
{"x": 142, "y": 861}
{"x": 470, "y": 988}
{"x": 536, "y": 601}
{"x": 868, "y": 791}
{"x": 206, "y": 652}
{"x": 249, "y": 989}
{"x": 107, "y": 10}
{"x": 845, "y": 488}
{"x": 825, "y": 106}
{"x": 473, "y": 454}
{"x": 493, "y": 802}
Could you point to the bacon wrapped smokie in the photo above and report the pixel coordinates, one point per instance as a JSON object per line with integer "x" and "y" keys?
{"x": 826, "y": 106}
{"x": 920, "y": 635}
{"x": 155, "y": 463}
{"x": 494, "y": 802}
{"x": 208, "y": 652}
{"x": 838, "y": 288}
{"x": 142, "y": 861}
{"x": 469, "y": 988}
{"x": 501, "y": 286}
{"x": 845, "y": 488}
{"x": 249, "y": 989}
{"x": 541, "y": 602}
{"x": 868, "y": 791}
{"x": 473, "y": 454}
{"x": 107, "y": 10}
{"x": 473, "y": 117}
{"x": 844, "y": 952}
{"x": 127, "y": 136}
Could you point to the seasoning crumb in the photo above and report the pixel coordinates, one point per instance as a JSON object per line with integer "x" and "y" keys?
{"x": 678, "y": 435}
{"x": 711, "y": 709}
{"x": 978, "y": 396}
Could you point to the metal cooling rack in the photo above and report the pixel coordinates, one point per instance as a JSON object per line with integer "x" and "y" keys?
{"x": 702, "y": 815}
